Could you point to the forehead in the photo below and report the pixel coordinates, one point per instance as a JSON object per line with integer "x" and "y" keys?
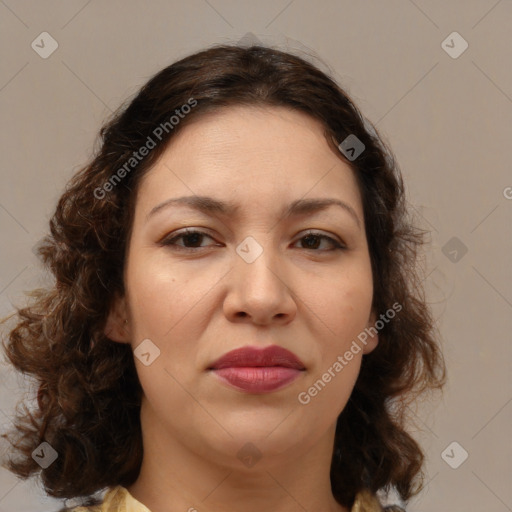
{"x": 251, "y": 155}
{"x": 262, "y": 129}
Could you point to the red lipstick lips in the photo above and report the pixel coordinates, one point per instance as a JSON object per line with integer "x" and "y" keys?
{"x": 256, "y": 370}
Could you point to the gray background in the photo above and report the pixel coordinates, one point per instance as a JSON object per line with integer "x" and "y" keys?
{"x": 447, "y": 119}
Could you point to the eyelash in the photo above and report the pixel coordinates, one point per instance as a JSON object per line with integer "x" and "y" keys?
{"x": 168, "y": 242}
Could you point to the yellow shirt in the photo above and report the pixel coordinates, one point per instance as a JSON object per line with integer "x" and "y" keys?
{"x": 118, "y": 499}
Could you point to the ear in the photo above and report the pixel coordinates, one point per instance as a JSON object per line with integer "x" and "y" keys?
{"x": 117, "y": 326}
{"x": 373, "y": 337}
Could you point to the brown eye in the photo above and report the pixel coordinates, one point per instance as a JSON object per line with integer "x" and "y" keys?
{"x": 190, "y": 237}
{"x": 313, "y": 240}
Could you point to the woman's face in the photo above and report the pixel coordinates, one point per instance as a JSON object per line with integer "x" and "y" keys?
{"x": 253, "y": 277}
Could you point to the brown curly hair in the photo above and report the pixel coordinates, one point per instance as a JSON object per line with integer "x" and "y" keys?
{"x": 88, "y": 391}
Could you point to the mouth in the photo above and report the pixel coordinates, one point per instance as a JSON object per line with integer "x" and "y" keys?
{"x": 256, "y": 370}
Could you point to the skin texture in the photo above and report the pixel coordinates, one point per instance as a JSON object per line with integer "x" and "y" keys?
{"x": 196, "y": 306}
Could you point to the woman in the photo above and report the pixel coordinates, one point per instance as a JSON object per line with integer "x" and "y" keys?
{"x": 237, "y": 318}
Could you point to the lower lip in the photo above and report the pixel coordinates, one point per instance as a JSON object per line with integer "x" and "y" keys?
{"x": 258, "y": 379}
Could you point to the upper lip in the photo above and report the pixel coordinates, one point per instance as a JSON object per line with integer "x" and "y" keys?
{"x": 254, "y": 356}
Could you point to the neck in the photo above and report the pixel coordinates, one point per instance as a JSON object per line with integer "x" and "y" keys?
{"x": 177, "y": 475}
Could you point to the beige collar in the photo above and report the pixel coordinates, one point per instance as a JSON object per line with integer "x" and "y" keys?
{"x": 118, "y": 499}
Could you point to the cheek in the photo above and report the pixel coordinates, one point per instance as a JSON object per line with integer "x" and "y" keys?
{"x": 345, "y": 304}
{"x": 164, "y": 305}
{"x": 162, "y": 296}
{"x": 344, "y": 307}
{"x": 169, "y": 306}
{"x": 345, "y": 310}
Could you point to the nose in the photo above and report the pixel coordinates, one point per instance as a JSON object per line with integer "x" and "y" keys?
{"x": 259, "y": 292}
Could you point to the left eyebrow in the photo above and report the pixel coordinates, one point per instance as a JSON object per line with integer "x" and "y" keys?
{"x": 209, "y": 205}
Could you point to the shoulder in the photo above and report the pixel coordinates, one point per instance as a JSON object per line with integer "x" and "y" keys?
{"x": 96, "y": 508}
{"x": 366, "y": 501}
{"x": 84, "y": 508}
{"x": 111, "y": 501}
{"x": 116, "y": 499}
